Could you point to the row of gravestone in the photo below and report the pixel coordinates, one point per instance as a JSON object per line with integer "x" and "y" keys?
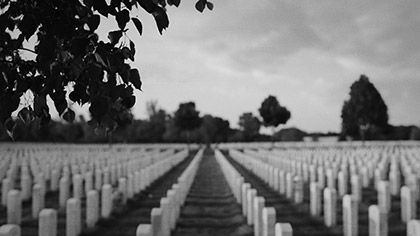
{"x": 409, "y": 194}
{"x": 263, "y": 219}
{"x": 377, "y": 214}
{"x": 163, "y": 218}
{"x": 127, "y": 187}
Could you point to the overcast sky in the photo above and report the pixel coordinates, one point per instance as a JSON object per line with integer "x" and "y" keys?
{"x": 306, "y": 53}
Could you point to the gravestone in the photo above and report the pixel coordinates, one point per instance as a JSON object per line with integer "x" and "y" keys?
{"x": 321, "y": 177}
{"x": 77, "y": 186}
{"x": 330, "y": 207}
{"x": 106, "y": 201}
{"x": 122, "y": 189}
{"x": 282, "y": 182}
{"x": 342, "y": 184}
{"x": 130, "y": 186}
{"x": 408, "y": 204}
{"x": 251, "y": 194}
{"x": 378, "y": 221}
{"x": 364, "y": 173}
{"x": 5, "y": 188}
{"x": 356, "y": 189}
{"x": 88, "y": 181}
{"x": 350, "y": 215}
{"x": 73, "y": 217}
{"x": 268, "y": 221}
{"x": 245, "y": 188}
{"x": 98, "y": 180}
{"x": 14, "y": 207}
{"x": 259, "y": 203}
{"x": 47, "y": 225}
{"x": 298, "y": 187}
{"x": 164, "y": 206}
{"x": 144, "y": 230}
{"x": 156, "y": 221}
{"x": 92, "y": 208}
{"x": 384, "y": 196}
{"x": 54, "y": 180}
{"x": 289, "y": 185}
{"x": 283, "y": 229}
{"x": 312, "y": 174}
{"x": 395, "y": 182}
{"x": 330, "y": 178}
{"x": 26, "y": 187}
{"x": 38, "y": 201}
{"x": 276, "y": 179}
{"x": 64, "y": 192}
{"x": 413, "y": 228}
{"x": 315, "y": 199}
{"x": 10, "y": 230}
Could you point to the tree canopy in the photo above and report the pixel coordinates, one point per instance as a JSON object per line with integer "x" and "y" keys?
{"x": 273, "y": 113}
{"x": 187, "y": 117}
{"x": 364, "y": 110}
{"x": 250, "y": 125}
{"x": 71, "y": 64}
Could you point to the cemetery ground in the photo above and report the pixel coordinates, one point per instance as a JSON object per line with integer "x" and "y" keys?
{"x": 304, "y": 224}
{"x": 211, "y": 206}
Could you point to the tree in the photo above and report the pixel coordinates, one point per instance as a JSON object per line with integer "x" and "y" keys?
{"x": 69, "y": 56}
{"x": 157, "y": 121}
{"x": 214, "y": 129}
{"x": 365, "y": 110}
{"x": 273, "y": 113}
{"x": 187, "y": 118}
{"x": 250, "y": 125}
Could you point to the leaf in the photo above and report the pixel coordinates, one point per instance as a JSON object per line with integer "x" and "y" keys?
{"x": 101, "y": 7}
{"x": 176, "y": 2}
{"x": 148, "y": 5}
{"x": 78, "y": 46}
{"x": 93, "y": 22}
{"x": 127, "y": 92}
{"x": 99, "y": 107}
{"x": 40, "y": 105}
{"x": 138, "y": 25}
{"x": 69, "y": 115}
{"x": 129, "y": 102}
{"x": 59, "y": 101}
{"x": 114, "y": 36}
{"x": 210, "y": 5}
{"x": 28, "y": 25}
{"x": 161, "y": 19}
{"x": 126, "y": 52}
{"x": 122, "y": 18}
{"x": 132, "y": 50}
{"x": 135, "y": 79}
{"x": 125, "y": 74}
{"x": 200, "y": 5}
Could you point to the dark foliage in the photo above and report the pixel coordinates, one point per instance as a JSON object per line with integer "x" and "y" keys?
{"x": 69, "y": 55}
{"x": 250, "y": 126}
{"x": 187, "y": 117}
{"x": 365, "y": 111}
{"x": 272, "y": 113}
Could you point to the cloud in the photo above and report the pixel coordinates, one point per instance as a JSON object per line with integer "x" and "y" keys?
{"x": 307, "y": 53}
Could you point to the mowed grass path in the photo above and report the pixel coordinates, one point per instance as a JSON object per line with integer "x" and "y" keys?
{"x": 210, "y": 208}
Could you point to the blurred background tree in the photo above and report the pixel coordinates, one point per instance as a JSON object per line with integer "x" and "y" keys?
{"x": 365, "y": 111}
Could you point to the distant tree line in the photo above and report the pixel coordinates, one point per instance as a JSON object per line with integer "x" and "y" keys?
{"x": 184, "y": 125}
{"x": 364, "y": 117}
